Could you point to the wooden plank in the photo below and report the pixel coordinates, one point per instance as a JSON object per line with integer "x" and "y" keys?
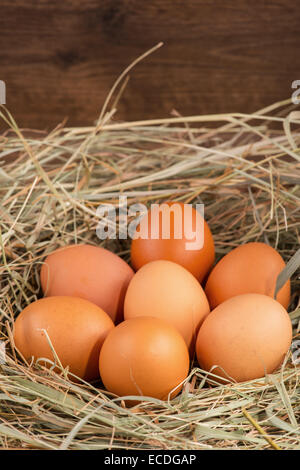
{"x": 59, "y": 59}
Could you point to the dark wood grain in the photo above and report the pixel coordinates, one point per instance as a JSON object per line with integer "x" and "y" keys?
{"x": 60, "y": 58}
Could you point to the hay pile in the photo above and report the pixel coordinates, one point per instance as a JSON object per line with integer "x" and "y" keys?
{"x": 245, "y": 169}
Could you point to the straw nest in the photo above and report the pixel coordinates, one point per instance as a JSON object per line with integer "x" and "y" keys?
{"x": 245, "y": 169}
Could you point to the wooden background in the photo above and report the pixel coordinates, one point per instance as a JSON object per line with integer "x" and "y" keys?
{"x": 59, "y": 58}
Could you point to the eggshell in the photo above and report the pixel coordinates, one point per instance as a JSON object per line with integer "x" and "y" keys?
{"x": 166, "y": 290}
{"x": 75, "y": 327}
{"x": 144, "y": 356}
{"x": 247, "y": 336}
{"x": 197, "y": 260}
{"x": 249, "y": 268}
{"x": 89, "y": 272}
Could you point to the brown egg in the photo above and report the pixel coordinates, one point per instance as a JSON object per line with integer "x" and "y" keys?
{"x": 89, "y": 272}
{"x": 144, "y": 356}
{"x": 194, "y": 252}
{"x": 246, "y": 336}
{"x": 249, "y": 268}
{"x": 166, "y": 290}
{"x": 75, "y": 327}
